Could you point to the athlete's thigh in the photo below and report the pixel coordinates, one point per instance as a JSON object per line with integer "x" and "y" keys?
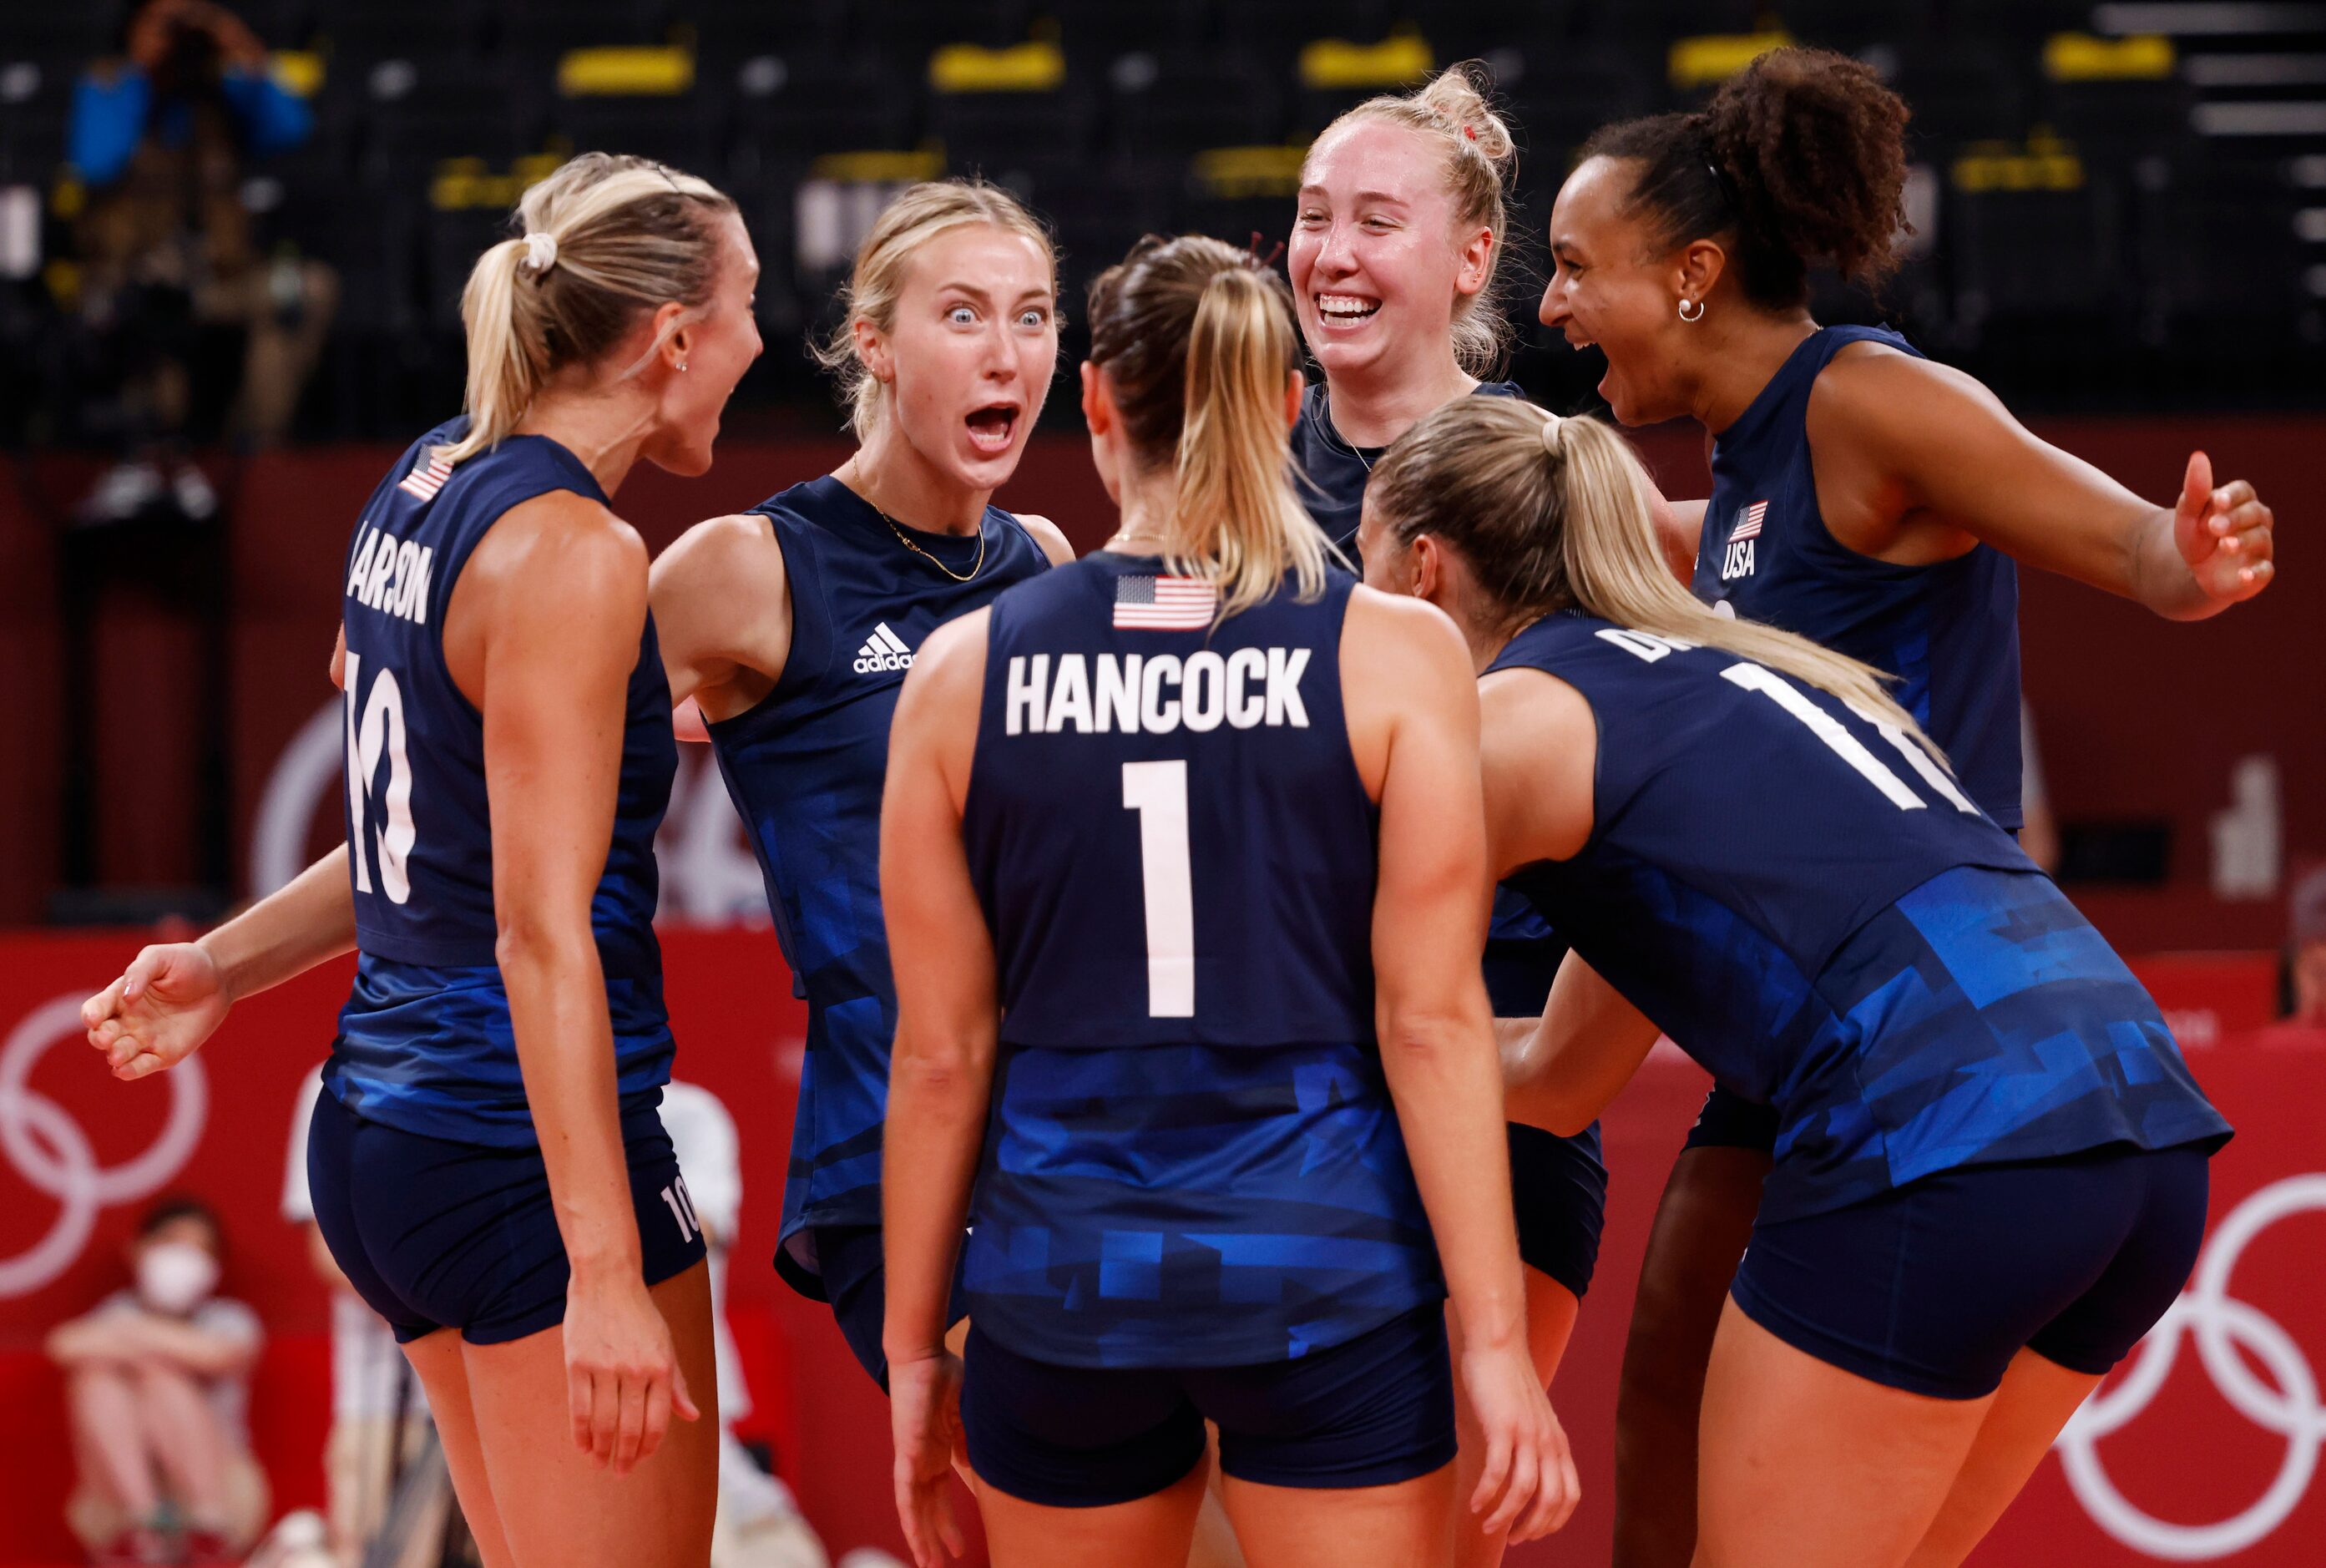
{"x": 436, "y": 1358}
{"x": 2037, "y": 1397}
{"x": 1150, "y": 1532}
{"x": 1399, "y": 1525}
{"x": 1702, "y": 1224}
{"x": 557, "y": 1508}
{"x": 1805, "y": 1464}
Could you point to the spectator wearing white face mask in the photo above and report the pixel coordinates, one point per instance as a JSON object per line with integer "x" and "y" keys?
{"x": 157, "y": 1384}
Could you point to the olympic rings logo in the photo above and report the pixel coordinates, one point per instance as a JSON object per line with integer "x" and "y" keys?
{"x": 50, "y": 1151}
{"x": 2220, "y": 1324}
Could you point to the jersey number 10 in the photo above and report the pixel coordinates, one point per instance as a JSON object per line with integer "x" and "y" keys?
{"x": 1157, "y": 792}
{"x": 376, "y": 728}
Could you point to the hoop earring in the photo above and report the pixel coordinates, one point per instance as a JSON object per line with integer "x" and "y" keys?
{"x": 1684, "y": 312}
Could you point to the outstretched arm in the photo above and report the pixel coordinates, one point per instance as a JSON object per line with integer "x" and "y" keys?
{"x": 1934, "y": 441}
{"x": 174, "y": 994}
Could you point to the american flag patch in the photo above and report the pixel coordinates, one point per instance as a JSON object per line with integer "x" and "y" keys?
{"x": 1748, "y": 522}
{"x": 1164, "y": 604}
{"x": 427, "y": 479}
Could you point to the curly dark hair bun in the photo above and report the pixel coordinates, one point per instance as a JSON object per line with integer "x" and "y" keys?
{"x": 1800, "y": 157}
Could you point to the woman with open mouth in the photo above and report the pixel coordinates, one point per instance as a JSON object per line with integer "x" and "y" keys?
{"x": 1862, "y": 497}
{"x": 791, "y": 626}
{"x": 1394, "y": 252}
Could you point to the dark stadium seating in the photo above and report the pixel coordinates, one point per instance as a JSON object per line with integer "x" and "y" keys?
{"x": 2078, "y": 187}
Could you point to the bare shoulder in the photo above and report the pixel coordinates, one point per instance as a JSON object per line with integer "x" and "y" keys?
{"x": 1393, "y": 629}
{"x": 565, "y": 550}
{"x": 1874, "y": 390}
{"x": 1524, "y": 709}
{"x": 1051, "y": 537}
{"x": 719, "y": 548}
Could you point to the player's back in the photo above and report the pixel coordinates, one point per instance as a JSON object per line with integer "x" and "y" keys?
{"x": 1193, "y": 1159}
{"x": 425, "y": 1040}
{"x": 1811, "y": 906}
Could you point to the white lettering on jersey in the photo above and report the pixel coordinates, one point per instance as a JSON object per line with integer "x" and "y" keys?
{"x": 884, "y": 649}
{"x": 1646, "y": 644}
{"x": 391, "y": 576}
{"x": 1738, "y": 562}
{"x": 1154, "y": 694}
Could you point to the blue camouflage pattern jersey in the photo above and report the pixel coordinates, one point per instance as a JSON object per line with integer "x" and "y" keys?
{"x": 425, "y": 1043}
{"x": 1192, "y": 1160}
{"x": 1949, "y": 631}
{"x": 805, "y": 768}
{"x": 1835, "y": 930}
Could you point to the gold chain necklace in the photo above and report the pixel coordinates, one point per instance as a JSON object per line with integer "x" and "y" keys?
{"x": 975, "y": 567}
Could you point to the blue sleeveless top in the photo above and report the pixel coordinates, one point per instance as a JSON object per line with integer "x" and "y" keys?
{"x": 425, "y": 1042}
{"x": 1193, "y": 1160}
{"x": 1835, "y": 930}
{"x": 1949, "y": 631}
{"x": 805, "y": 768}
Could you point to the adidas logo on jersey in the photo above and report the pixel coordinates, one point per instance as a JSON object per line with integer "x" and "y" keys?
{"x": 884, "y": 649}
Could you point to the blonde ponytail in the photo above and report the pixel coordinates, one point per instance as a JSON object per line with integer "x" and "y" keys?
{"x": 605, "y": 239}
{"x": 1197, "y": 344}
{"x": 1550, "y": 512}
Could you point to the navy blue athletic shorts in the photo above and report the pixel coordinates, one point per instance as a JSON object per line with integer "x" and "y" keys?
{"x": 1730, "y": 1121}
{"x": 855, "y": 1282}
{"x": 1558, "y": 1191}
{"x": 1369, "y": 1412}
{"x": 1934, "y": 1286}
{"x": 435, "y": 1235}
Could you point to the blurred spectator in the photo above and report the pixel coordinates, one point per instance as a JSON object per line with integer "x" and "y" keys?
{"x": 758, "y": 1522}
{"x": 157, "y": 1382}
{"x": 170, "y": 276}
{"x": 2308, "y": 937}
{"x": 379, "y": 1417}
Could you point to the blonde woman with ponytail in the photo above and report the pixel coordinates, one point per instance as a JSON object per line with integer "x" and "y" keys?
{"x": 487, "y": 1164}
{"x": 1991, "y": 1178}
{"x": 1214, "y": 1051}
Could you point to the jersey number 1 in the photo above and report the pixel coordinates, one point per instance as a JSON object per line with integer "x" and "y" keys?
{"x": 1157, "y": 792}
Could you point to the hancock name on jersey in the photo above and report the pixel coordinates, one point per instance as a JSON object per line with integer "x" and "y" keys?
{"x": 391, "y": 575}
{"x": 1157, "y": 693}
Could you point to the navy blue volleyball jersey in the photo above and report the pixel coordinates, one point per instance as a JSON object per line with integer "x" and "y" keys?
{"x": 1835, "y": 930}
{"x": 425, "y": 1042}
{"x": 1332, "y": 473}
{"x": 1193, "y": 1160}
{"x": 805, "y": 768}
{"x": 1948, "y": 632}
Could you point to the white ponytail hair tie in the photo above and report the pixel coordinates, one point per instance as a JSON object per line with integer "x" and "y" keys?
{"x": 1551, "y": 427}
{"x": 540, "y": 250}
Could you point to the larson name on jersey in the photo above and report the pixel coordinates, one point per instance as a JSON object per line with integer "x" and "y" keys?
{"x": 1157, "y": 693}
{"x": 391, "y": 575}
